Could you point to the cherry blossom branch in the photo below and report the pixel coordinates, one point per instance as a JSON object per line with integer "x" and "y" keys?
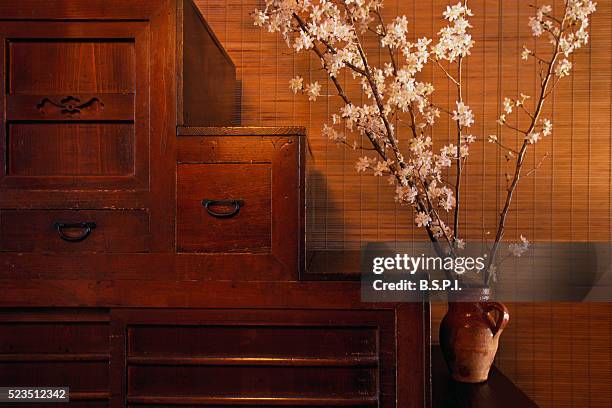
{"x": 506, "y": 124}
{"x": 338, "y": 86}
{"x": 521, "y": 156}
{"x": 384, "y": 33}
{"x": 375, "y": 92}
{"x": 420, "y": 205}
{"x": 497, "y": 142}
{"x": 537, "y": 166}
{"x": 459, "y": 162}
{"x": 452, "y": 78}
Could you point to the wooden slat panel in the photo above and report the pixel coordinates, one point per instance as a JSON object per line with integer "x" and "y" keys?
{"x": 52, "y": 339}
{"x": 245, "y": 341}
{"x": 260, "y": 402}
{"x": 250, "y": 381}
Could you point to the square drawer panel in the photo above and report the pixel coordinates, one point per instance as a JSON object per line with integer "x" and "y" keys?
{"x": 119, "y": 231}
{"x": 224, "y": 207}
{"x": 79, "y": 150}
{"x": 239, "y": 194}
{"x": 94, "y": 65}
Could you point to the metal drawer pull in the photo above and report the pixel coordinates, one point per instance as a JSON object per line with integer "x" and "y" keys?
{"x": 237, "y": 204}
{"x": 87, "y": 227}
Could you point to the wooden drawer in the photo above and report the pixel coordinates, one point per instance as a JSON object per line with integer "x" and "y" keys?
{"x": 224, "y": 207}
{"x": 76, "y": 109}
{"x": 260, "y": 357}
{"x": 123, "y": 231}
{"x": 239, "y": 194}
{"x": 57, "y": 348}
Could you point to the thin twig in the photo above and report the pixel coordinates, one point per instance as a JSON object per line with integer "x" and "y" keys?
{"x": 521, "y": 157}
{"x": 537, "y": 166}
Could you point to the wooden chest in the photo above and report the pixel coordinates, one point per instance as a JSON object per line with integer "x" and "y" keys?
{"x": 150, "y": 250}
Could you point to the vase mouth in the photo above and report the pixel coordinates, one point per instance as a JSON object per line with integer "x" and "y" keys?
{"x": 480, "y": 294}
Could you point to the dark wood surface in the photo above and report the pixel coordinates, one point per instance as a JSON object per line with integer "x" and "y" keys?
{"x": 241, "y": 131}
{"x": 498, "y": 391}
{"x": 93, "y": 92}
{"x": 267, "y": 173}
{"x": 206, "y": 74}
{"x": 118, "y": 231}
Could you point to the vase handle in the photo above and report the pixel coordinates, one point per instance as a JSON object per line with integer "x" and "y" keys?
{"x": 503, "y": 317}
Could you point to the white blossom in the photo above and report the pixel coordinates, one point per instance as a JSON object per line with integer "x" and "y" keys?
{"x": 546, "y": 127}
{"x": 525, "y": 53}
{"x": 296, "y": 84}
{"x": 396, "y": 93}
{"x": 533, "y": 137}
{"x": 304, "y": 41}
{"x": 422, "y": 219}
{"x": 463, "y": 115}
{"x": 508, "y": 105}
{"x": 396, "y": 33}
{"x": 455, "y": 42}
{"x": 518, "y": 249}
{"x": 333, "y": 135}
{"x": 260, "y": 18}
{"x": 382, "y": 167}
{"x": 563, "y": 68}
{"x": 313, "y": 90}
{"x": 363, "y": 164}
{"x": 405, "y": 194}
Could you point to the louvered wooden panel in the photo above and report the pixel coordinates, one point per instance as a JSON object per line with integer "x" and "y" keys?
{"x": 57, "y": 348}
{"x": 320, "y": 358}
{"x": 560, "y": 354}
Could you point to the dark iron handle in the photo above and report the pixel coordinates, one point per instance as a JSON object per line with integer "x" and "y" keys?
{"x": 87, "y": 227}
{"x": 237, "y": 204}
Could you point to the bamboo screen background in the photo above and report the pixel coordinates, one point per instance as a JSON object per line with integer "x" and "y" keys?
{"x": 559, "y": 354}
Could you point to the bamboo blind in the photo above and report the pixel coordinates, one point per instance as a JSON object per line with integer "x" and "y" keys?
{"x": 560, "y": 354}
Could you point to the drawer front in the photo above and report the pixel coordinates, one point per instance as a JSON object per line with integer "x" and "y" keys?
{"x": 65, "y": 348}
{"x": 224, "y": 207}
{"x": 239, "y": 206}
{"x": 260, "y": 357}
{"x": 122, "y": 231}
{"x": 76, "y": 106}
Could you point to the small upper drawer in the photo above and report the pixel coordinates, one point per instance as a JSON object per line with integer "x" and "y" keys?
{"x": 74, "y": 230}
{"x": 239, "y": 193}
{"x": 224, "y": 207}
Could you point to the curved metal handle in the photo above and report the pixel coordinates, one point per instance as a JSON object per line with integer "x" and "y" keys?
{"x": 87, "y": 227}
{"x": 503, "y": 316}
{"x": 237, "y": 204}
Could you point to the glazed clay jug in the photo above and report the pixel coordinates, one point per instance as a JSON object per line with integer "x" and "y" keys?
{"x": 469, "y": 334}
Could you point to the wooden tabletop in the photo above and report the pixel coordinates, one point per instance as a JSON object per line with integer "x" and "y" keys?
{"x": 498, "y": 391}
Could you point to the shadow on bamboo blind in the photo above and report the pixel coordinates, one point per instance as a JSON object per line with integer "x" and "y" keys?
{"x": 560, "y": 354}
